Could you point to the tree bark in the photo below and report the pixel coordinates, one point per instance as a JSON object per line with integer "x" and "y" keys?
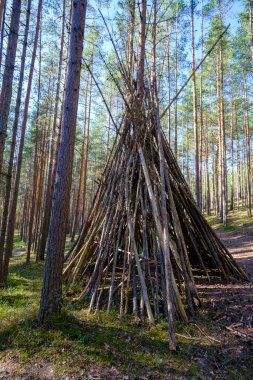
{"x": 141, "y": 51}
{"x": 2, "y": 34}
{"x": 248, "y": 148}
{"x": 50, "y": 179}
{"x": 195, "y": 113}
{"x": 176, "y": 80}
{"x": 52, "y": 285}
{"x": 251, "y": 28}
{"x": 232, "y": 156}
{"x": 14, "y": 137}
{"x": 6, "y": 91}
{"x": 131, "y": 39}
{"x": 13, "y": 208}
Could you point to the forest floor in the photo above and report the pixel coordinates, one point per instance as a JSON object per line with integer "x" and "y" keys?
{"x": 217, "y": 344}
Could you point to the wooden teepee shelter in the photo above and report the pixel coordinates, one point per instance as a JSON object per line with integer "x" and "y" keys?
{"x": 144, "y": 236}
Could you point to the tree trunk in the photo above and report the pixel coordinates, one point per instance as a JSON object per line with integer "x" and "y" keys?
{"x": 223, "y": 143}
{"x": 153, "y": 60}
{"x": 14, "y": 138}
{"x": 87, "y": 153}
{"x": 2, "y": 33}
{"x": 251, "y": 28}
{"x": 195, "y": 113}
{"x": 176, "y": 80}
{"x": 6, "y": 91}
{"x": 51, "y": 291}
{"x": 248, "y": 148}
{"x": 232, "y": 156}
{"x": 50, "y": 179}
{"x": 169, "y": 85}
{"x": 238, "y": 160}
{"x": 12, "y": 213}
{"x": 141, "y": 51}
{"x": 131, "y": 39}
{"x": 2, "y": 6}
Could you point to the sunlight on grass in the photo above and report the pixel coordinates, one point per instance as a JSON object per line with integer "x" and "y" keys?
{"x": 236, "y": 220}
{"x": 103, "y": 340}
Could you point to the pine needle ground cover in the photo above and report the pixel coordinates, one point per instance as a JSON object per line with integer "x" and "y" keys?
{"x": 106, "y": 346}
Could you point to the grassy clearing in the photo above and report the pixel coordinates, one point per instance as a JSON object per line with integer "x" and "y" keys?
{"x": 103, "y": 341}
{"x": 77, "y": 345}
{"x": 236, "y": 221}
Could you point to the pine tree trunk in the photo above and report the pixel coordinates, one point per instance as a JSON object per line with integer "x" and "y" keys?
{"x": 169, "y": 85}
{"x": 248, "y": 148}
{"x": 223, "y": 143}
{"x": 238, "y": 160}
{"x": 208, "y": 201}
{"x": 87, "y": 153}
{"x": 141, "y": 51}
{"x": 51, "y": 291}
{"x": 232, "y": 156}
{"x": 2, "y": 6}
{"x": 2, "y": 34}
{"x": 14, "y": 138}
{"x": 153, "y": 60}
{"x": 13, "y": 207}
{"x": 50, "y": 179}
{"x": 176, "y": 80}
{"x": 195, "y": 114}
{"x": 131, "y": 39}
{"x": 6, "y": 91}
{"x": 251, "y": 28}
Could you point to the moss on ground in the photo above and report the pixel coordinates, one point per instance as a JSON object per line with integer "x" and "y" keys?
{"x": 74, "y": 343}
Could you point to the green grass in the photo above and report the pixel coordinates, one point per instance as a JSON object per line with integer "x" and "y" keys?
{"x": 104, "y": 341}
{"x": 236, "y": 220}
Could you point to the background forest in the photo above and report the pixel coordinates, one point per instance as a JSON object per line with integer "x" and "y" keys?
{"x": 198, "y": 64}
{"x": 216, "y": 145}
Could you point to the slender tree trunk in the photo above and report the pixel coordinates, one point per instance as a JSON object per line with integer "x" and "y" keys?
{"x": 208, "y": 201}
{"x": 251, "y": 28}
{"x": 201, "y": 111}
{"x": 153, "y": 60}
{"x": 35, "y": 165}
{"x": 195, "y": 113}
{"x": 176, "y": 80}
{"x": 141, "y": 51}
{"x": 87, "y": 151}
{"x": 248, "y": 148}
{"x": 169, "y": 85}
{"x": 38, "y": 179}
{"x": 232, "y": 156}
{"x": 6, "y": 91}
{"x": 13, "y": 208}
{"x": 81, "y": 171}
{"x": 223, "y": 142}
{"x": 238, "y": 160}
{"x": 2, "y": 34}
{"x": 51, "y": 291}
{"x": 187, "y": 156}
{"x": 2, "y": 6}
{"x": 14, "y": 138}
{"x": 131, "y": 39}
{"x": 50, "y": 179}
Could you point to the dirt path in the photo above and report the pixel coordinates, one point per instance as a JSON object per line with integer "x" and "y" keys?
{"x": 234, "y": 302}
{"x": 230, "y": 308}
